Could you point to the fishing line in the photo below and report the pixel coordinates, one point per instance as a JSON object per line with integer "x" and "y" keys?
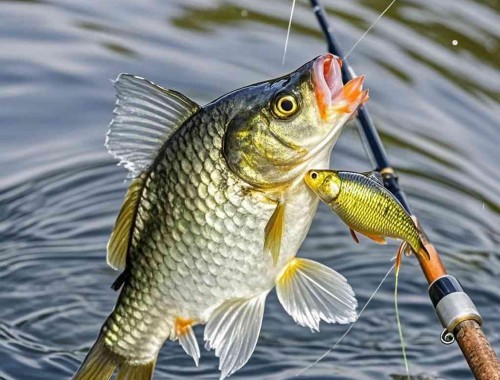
{"x": 350, "y": 327}
{"x": 288, "y": 33}
{"x": 400, "y": 329}
{"x": 353, "y": 46}
{"x": 369, "y": 28}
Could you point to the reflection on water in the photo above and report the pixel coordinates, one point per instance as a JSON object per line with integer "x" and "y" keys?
{"x": 435, "y": 103}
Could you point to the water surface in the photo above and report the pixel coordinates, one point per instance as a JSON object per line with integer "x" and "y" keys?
{"x": 435, "y": 104}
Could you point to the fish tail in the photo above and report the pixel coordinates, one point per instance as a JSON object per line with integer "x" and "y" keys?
{"x": 101, "y": 363}
{"x": 142, "y": 371}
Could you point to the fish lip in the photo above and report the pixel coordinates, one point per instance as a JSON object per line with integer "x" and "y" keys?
{"x": 327, "y": 78}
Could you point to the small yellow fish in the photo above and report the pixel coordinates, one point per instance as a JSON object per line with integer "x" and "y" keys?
{"x": 366, "y": 206}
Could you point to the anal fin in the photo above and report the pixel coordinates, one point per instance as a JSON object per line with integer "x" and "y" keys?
{"x": 233, "y": 330}
{"x": 311, "y": 292}
{"x": 274, "y": 232}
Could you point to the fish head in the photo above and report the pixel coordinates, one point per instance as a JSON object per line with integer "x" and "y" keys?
{"x": 326, "y": 184}
{"x": 280, "y": 125}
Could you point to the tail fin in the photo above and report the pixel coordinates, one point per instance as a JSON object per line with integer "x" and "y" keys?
{"x": 101, "y": 362}
{"x": 137, "y": 372}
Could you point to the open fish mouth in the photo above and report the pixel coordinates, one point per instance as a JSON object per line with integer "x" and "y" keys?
{"x": 327, "y": 79}
{"x": 331, "y": 95}
{"x": 335, "y": 101}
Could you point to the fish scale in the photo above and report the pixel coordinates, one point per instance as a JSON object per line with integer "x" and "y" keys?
{"x": 367, "y": 207}
{"x": 198, "y": 251}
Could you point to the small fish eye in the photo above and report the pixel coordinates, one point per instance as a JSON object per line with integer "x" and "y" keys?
{"x": 285, "y": 106}
{"x": 314, "y": 175}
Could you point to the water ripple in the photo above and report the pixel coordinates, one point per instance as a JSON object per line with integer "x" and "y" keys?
{"x": 435, "y": 104}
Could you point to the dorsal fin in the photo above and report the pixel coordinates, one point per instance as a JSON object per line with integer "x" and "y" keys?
{"x": 374, "y": 175}
{"x": 146, "y": 115}
{"x": 120, "y": 237}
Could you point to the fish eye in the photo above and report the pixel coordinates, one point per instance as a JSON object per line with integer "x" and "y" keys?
{"x": 285, "y": 106}
{"x": 314, "y": 175}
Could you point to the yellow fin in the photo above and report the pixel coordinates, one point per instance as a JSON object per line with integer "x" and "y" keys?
{"x": 143, "y": 371}
{"x": 376, "y": 238}
{"x": 274, "y": 232}
{"x": 99, "y": 364}
{"x": 120, "y": 237}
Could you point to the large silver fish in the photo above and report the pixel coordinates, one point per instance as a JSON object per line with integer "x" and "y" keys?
{"x": 215, "y": 215}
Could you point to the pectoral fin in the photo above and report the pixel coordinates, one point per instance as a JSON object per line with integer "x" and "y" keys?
{"x": 311, "y": 292}
{"x": 274, "y": 232}
{"x": 233, "y": 330}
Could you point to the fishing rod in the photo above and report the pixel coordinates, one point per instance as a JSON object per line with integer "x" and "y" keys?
{"x": 456, "y": 311}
